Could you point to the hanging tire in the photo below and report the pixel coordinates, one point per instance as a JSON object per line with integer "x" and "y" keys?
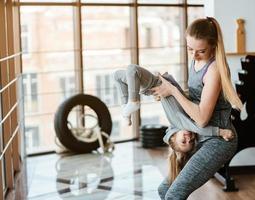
{"x": 66, "y": 134}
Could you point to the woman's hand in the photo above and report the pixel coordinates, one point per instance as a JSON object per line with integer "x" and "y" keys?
{"x": 226, "y": 134}
{"x": 163, "y": 90}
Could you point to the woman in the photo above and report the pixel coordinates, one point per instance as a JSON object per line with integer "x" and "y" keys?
{"x": 211, "y": 95}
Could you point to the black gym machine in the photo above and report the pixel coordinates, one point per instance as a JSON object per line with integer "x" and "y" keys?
{"x": 245, "y": 88}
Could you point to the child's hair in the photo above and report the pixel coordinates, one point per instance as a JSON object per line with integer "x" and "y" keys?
{"x": 209, "y": 29}
{"x": 177, "y": 159}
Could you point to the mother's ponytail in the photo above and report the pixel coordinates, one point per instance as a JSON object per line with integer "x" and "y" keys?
{"x": 221, "y": 62}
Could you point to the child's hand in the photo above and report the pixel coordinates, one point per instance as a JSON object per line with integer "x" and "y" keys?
{"x": 226, "y": 134}
{"x": 157, "y": 98}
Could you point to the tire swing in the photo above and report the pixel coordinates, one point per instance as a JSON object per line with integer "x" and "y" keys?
{"x": 83, "y": 133}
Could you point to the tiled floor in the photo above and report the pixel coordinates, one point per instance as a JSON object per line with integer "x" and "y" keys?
{"x": 129, "y": 173}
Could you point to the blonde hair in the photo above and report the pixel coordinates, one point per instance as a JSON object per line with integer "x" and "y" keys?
{"x": 209, "y": 29}
{"x": 176, "y": 159}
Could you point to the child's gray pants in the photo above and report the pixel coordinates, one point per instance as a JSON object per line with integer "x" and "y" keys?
{"x": 129, "y": 82}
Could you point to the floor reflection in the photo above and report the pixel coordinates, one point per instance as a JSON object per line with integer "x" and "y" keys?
{"x": 127, "y": 174}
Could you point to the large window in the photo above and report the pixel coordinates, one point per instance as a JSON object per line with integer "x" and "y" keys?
{"x": 69, "y": 56}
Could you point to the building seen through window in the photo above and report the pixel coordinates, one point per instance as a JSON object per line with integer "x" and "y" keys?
{"x": 106, "y": 90}
{"x": 30, "y": 88}
{"x": 67, "y": 85}
{"x": 25, "y": 39}
{"x": 32, "y": 138}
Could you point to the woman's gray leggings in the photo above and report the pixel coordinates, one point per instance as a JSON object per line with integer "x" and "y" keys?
{"x": 208, "y": 159}
{"x": 211, "y": 154}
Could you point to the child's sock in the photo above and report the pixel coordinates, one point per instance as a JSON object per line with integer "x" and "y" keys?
{"x": 130, "y": 108}
{"x": 126, "y": 119}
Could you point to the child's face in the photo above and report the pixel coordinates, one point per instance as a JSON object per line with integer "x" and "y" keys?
{"x": 199, "y": 49}
{"x": 184, "y": 140}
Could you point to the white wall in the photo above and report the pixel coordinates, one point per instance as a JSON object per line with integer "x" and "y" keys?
{"x": 226, "y": 12}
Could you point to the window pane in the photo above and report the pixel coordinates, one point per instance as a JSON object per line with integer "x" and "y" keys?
{"x": 48, "y": 70}
{"x": 106, "y": 36}
{"x": 160, "y": 51}
{"x": 50, "y": 29}
{"x": 195, "y": 13}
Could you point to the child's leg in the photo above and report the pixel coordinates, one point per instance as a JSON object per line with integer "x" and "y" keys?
{"x": 122, "y": 87}
{"x": 130, "y": 81}
{"x": 137, "y": 78}
{"x": 121, "y": 84}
